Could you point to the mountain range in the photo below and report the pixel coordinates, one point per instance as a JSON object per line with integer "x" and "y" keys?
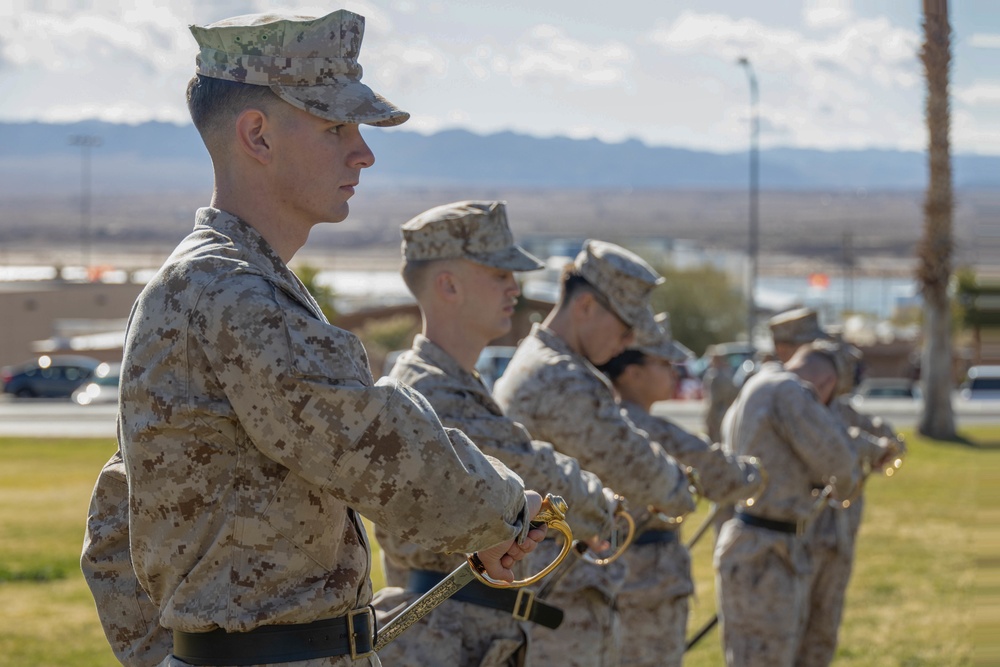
{"x": 39, "y": 159}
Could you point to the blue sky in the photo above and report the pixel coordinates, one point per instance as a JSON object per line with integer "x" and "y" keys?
{"x": 833, "y": 74}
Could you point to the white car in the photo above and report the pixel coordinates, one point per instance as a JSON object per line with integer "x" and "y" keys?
{"x": 983, "y": 382}
{"x": 102, "y": 388}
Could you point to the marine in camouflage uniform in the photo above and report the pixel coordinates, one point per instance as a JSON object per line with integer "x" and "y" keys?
{"x": 832, "y": 539}
{"x": 653, "y": 603}
{"x": 762, "y": 564}
{"x": 552, "y": 387}
{"x": 459, "y": 261}
{"x": 251, "y": 432}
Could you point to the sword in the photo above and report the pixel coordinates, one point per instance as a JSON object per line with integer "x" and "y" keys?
{"x": 552, "y": 514}
{"x": 580, "y": 549}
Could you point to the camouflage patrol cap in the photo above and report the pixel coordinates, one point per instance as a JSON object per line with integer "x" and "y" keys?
{"x": 626, "y": 280}
{"x": 311, "y": 63}
{"x": 796, "y": 326}
{"x": 664, "y": 347}
{"x": 473, "y": 230}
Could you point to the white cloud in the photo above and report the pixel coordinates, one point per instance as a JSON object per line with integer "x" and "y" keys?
{"x": 828, "y": 13}
{"x": 821, "y": 91}
{"x": 548, "y": 53}
{"x": 979, "y": 94}
{"x": 985, "y": 41}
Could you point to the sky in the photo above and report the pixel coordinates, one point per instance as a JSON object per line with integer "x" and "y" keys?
{"x": 832, "y": 74}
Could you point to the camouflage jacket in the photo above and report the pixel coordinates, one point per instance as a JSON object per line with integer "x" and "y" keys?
{"x": 130, "y": 620}
{"x": 800, "y": 443}
{"x": 462, "y": 401}
{"x": 722, "y": 478}
{"x": 252, "y": 436}
{"x": 561, "y": 398}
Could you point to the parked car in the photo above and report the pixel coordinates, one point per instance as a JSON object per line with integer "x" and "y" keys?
{"x": 873, "y": 389}
{"x": 735, "y": 354}
{"x": 982, "y": 382}
{"x": 56, "y": 376}
{"x": 102, "y": 388}
{"x": 493, "y": 362}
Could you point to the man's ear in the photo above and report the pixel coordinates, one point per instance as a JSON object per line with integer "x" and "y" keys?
{"x": 446, "y": 285}
{"x": 584, "y": 303}
{"x": 254, "y": 134}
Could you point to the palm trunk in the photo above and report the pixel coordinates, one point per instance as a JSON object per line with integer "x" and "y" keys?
{"x": 935, "y": 251}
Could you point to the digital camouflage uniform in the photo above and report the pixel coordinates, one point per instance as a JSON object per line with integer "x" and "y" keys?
{"x": 130, "y": 619}
{"x": 250, "y": 429}
{"x": 253, "y": 437}
{"x": 762, "y": 575}
{"x": 831, "y": 542}
{"x": 654, "y": 601}
{"x": 561, "y": 398}
{"x": 458, "y": 633}
{"x": 461, "y": 400}
{"x": 653, "y": 604}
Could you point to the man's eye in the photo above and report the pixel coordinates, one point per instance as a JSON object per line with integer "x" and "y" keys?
{"x": 336, "y": 129}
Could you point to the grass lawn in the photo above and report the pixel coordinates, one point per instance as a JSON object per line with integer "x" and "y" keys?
{"x": 920, "y": 559}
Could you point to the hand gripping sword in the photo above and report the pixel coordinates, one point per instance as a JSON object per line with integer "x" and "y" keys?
{"x": 552, "y": 514}
{"x": 581, "y": 549}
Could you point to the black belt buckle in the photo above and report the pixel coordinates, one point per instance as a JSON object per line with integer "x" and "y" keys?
{"x": 352, "y": 635}
{"x": 523, "y": 604}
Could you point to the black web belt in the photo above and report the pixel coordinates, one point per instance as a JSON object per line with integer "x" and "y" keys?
{"x": 656, "y": 537}
{"x": 520, "y": 603}
{"x": 770, "y": 524}
{"x": 353, "y": 634}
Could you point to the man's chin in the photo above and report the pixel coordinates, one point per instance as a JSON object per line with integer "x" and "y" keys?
{"x": 339, "y": 215}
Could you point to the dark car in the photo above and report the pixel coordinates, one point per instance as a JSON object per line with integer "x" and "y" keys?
{"x": 56, "y": 376}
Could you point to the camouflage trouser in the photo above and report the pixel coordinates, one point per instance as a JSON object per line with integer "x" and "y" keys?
{"x": 762, "y": 597}
{"x": 589, "y": 635}
{"x": 653, "y": 605}
{"x": 456, "y": 634}
{"x": 832, "y": 559}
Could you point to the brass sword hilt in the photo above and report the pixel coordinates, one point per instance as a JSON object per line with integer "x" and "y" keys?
{"x": 622, "y": 513}
{"x": 553, "y": 515}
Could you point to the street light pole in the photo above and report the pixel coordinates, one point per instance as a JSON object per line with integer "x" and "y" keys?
{"x": 754, "y": 188}
{"x": 85, "y": 142}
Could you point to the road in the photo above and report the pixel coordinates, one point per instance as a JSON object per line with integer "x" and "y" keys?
{"x": 63, "y": 419}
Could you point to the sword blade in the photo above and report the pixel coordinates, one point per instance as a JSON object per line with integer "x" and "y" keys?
{"x": 423, "y": 605}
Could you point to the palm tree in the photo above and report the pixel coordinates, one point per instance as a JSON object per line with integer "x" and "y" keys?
{"x": 935, "y": 250}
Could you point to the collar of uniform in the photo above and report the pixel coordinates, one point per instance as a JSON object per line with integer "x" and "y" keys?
{"x": 259, "y": 252}
{"x": 553, "y": 341}
{"x": 435, "y": 355}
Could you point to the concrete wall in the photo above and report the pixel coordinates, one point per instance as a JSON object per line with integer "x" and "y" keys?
{"x": 31, "y": 312}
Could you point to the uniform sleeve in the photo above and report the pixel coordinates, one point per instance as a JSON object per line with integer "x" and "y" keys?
{"x": 301, "y": 390}
{"x": 128, "y": 616}
{"x": 579, "y": 415}
{"x": 724, "y": 478}
{"x": 540, "y": 466}
{"x": 874, "y": 425}
{"x": 817, "y": 436}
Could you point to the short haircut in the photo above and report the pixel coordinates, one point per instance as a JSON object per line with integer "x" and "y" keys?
{"x": 572, "y": 283}
{"x": 614, "y": 368}
{"x": 213, "y": 103}
{"x": 415, "y": 273}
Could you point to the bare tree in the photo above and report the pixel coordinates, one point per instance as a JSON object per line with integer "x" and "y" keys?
{"x": 936, "y": 247}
